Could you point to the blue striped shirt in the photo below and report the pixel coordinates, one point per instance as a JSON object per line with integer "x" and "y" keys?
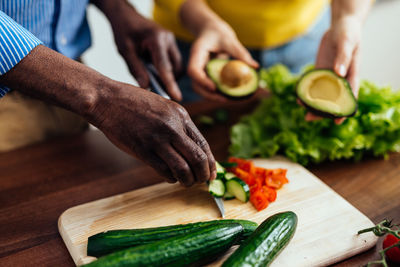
{"x": 24, "y": 24}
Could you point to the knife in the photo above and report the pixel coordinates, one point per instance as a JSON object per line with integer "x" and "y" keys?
{"x": 157, "y": 87}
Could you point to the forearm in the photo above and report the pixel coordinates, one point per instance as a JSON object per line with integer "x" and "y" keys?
{"x": 52, "y": 77}
{"x": 354, "y": 9}
{"x": 197, "y": 16}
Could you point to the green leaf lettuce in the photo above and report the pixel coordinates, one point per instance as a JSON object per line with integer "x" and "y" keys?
{"x": 277, "y": 125}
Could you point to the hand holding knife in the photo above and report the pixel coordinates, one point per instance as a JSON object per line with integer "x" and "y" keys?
{"x": 157, "y": 87}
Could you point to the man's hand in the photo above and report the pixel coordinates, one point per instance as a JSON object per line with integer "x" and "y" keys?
{"x": 214, "y": 37}
{"x": 145, "y": 125}
{"x": 156, "y": 130}
{"x": 137, "y": 36}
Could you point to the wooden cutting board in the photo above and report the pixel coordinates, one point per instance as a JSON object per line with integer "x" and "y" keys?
{"x": 326, "y": 232}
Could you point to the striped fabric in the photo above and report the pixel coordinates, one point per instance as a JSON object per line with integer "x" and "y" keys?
{"x": 59, "y": 24}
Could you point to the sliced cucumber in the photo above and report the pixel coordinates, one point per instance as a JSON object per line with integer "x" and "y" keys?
{"x": 228, "y": 196}
{"x": 229, "y": 175}
{"x": 228, "y": 164}
{"x": 238, "y": 188}
{"x": 220, "y": 169}
{"x": 217, "y": 188}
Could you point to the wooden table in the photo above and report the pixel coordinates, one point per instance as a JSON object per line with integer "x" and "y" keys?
{"x": 39, "y": 182}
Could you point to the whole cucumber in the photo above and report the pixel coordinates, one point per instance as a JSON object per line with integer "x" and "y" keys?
{"x": 266, "y": 242}
{"x": 180, "y": 250}
{"x": 114, "y": 240}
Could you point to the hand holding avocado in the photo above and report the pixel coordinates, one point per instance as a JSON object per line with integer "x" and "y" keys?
{"x": 214, "y": 37}
{"x": 339, "y": 47}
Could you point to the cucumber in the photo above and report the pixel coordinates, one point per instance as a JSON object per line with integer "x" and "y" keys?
{"x": 238, "y": 188}
{"x": 180, "y": 250}
{"x": 217, "y": 188}
{"x": 229, "y": 176}
{"x": 261, "y": 248}
{"x": 220, "y": 169}
{"x": 228, "y": 196}
{"x": 114, "y": 240}
{"x": 228, "y": 164}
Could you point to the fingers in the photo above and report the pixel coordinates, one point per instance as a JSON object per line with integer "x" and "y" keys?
{"x": 352, "y": 74}
{"x": 199, "y": 56}
{"x": 177, "y": 165}
{"x": 214, "y": 96}
{"x": 198, "y": 138}
{"x": 343, "y": 58}
{"x": 163, "y": 65}
{"x": 339, "y": 120}
{"x": 312, "y": 117}
{"x": 195, "y": 157}
{"x": 175, "y": 57}
{"x": 136, "y": 67}
{"x": 240, "y": 52}
{"x": 156, "y": 163}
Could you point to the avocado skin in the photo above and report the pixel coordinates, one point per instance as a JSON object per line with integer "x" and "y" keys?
{"x": 326, "y": 114}
{"x": 317, "y": 111}
{"x": 236, "y": 97}
{"x": 217, "y": 83}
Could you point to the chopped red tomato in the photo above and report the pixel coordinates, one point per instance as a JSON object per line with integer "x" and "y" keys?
{"x": 270, "y": 193}
{"x": 263, "y": 182}
{"x": 259, "y": 200}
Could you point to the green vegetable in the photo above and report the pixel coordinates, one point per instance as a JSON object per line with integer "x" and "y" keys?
{"x": 269, "y": 239}
{"x": 228, "y": 196}
{"x": 110, "y": 241}
{"x": 392, "y": 238}
{"x": 221, "y": 115}
{"x": 219, "y": 167}
{"x": 277, "y": 126}
{"x": 229, "y": 176}
{"x": 217, "y": 188}
{"x": 180, "y": 250}
{"x": 326, "y": 94}
{"x": 238, "y": 188}
{"x": 233, "y": 78}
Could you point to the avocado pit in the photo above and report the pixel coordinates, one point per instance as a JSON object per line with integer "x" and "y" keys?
{"x": 235, "y": 73}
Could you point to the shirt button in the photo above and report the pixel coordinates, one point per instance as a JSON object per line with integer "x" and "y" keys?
{"x": 63, "y": 40}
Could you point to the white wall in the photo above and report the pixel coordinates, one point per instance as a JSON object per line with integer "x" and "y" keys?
{"x": 380, "y": 48}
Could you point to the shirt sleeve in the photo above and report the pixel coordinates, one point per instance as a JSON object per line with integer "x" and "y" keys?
{"x": 15, "y": 43}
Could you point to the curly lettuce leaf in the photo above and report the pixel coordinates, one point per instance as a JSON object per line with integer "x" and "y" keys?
{"x": 277, "y": 126}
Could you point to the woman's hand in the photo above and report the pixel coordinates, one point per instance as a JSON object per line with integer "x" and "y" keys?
{"x": 214, "y": 38}
{"x": 339, "y": 51}
{"x": 214, "y": 41}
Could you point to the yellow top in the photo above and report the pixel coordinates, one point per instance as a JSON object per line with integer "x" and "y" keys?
{"x": 257, "y": 23}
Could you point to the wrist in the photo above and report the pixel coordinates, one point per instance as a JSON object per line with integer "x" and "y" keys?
{"x": 219, "y": 28}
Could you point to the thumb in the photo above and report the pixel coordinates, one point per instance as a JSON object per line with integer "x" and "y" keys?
{"x": 241, "y": 53}
{"x": 343, "y": 58}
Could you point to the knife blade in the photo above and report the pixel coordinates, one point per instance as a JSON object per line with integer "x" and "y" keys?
{"x": 157, "y": 87}
{"x": 220, "y": 205}
{"x": 155, "y": 82}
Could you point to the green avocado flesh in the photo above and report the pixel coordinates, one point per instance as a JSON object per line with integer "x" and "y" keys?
{"x": 214, "y": 68}
{"x": 327, "y": 94}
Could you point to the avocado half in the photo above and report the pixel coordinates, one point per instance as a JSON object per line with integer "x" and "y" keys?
{"x": 233, "y": 78}
{"x": 326, "y": 94}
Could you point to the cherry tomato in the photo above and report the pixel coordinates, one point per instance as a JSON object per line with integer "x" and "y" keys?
{"x": 393, "y": 254}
